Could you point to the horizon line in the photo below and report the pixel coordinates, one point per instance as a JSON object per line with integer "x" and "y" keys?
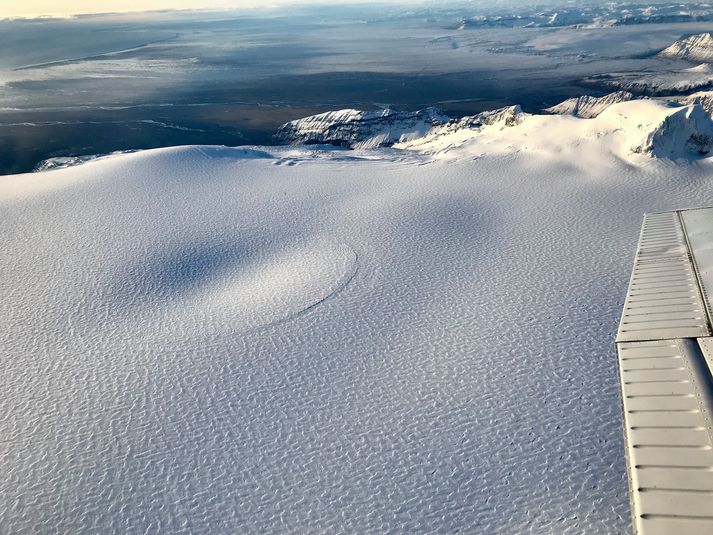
{"x": 257, "y": 7}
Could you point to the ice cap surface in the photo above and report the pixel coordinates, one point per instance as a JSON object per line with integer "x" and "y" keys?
{"x": 196, "y": 340}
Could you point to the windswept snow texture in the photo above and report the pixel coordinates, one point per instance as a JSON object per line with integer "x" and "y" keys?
{"x": 214, "y": 340}
{"x": 588, "y": 107}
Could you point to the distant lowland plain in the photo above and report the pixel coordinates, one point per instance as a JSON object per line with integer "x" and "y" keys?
{"x": 136, "y": 81}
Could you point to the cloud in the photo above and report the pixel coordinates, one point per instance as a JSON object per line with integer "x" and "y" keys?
{"x": 49, "y": 8}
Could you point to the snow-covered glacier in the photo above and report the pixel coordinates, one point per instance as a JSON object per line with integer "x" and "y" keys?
{"x": 313, "y": 340}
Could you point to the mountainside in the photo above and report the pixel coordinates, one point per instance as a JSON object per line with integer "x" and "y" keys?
{"x": 457, "y": 131}
{"x": 703, "y": 98}
{"x": 508, "y": 116}
{"x": 704, "y": 68}
{"x": 360, "y": 129}
{"x": 364, "y": 130}
{"x": 685, "y": 131}
{"x": 652, "y": 128}
{"x": 658, "y": 128}
{"x": 696, "y": 48}
{"x": 588, "y": 107}
{"x": 655, "y": 84}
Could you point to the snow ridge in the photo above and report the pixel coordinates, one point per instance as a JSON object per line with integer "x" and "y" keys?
{"x": 458, "y": 132}
{"x": 639, "y": 127}
{"x": 702, "y": 98}
{"x": 360, "y": 129}
{"x": 687, "y": 130}
{"x": 508, "y": 116}
{"x": 588, "y": 107}
{"x": 363, "y": 130}
{"x": 662, "y": 129}
{"x": 696, "y": 48}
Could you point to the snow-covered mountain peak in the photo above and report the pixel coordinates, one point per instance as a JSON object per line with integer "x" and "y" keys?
{"x": 508, "y": 116}
{"x": 685, "y": 131}
{"x": 626, "y": 129}
{"x": 696, "y": 48}
{"x": 384, "y": 128}
{"x": 588, "y": 107}
{"x": 457, "y": 132}
{"x": 361, "y": 129}
{"x": 616, "y": 123}
{"x": 702, "y": 98}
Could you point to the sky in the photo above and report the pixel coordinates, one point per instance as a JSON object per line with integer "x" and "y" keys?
{"x": 37, "y": 8}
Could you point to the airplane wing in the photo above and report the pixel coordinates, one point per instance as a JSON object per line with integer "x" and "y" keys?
{"x": 665, "y": 348}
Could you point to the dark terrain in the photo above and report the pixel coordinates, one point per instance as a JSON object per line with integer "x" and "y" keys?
{"x": 135, "y": 81}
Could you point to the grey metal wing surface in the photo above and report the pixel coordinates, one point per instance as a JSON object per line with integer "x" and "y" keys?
{"x": 665, "y": 351}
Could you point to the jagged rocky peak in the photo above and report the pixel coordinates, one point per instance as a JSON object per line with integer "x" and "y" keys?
{"x": 686, "y": 131}
{"x": 508, "y": 116}
{"x": 696, "y": 48}
{"x": 460, "y": 130}
{"x": 361, "y": 129}
{"x": 588, "y": 107}
{"x": 702, "y": 98}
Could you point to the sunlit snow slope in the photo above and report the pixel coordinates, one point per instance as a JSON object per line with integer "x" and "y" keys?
{"x": 696, "y": 48}
{"x": 213, "y": 340}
